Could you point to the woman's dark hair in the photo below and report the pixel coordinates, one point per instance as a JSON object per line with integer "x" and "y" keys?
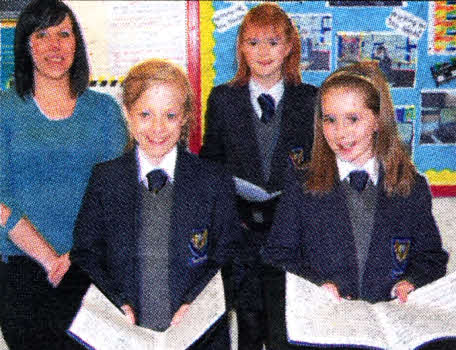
{"x": 41, "y": 14}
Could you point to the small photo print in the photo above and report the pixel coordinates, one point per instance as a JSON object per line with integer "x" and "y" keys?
{"x": 396, "y": 54}
{"x": 405, "y": 118}
{"x": 315, "y": 31}
{"x": 438, "y": 117}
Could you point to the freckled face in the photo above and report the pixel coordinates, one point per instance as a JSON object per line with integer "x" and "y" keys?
{"x": 156, "y": 119}
{"x": 348, "y": 125}
{"x": 52, "y": 50}
{"x": 265, "y": 50}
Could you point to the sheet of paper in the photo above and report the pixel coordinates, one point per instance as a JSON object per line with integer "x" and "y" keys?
{"x": 252, "y": 192}
{"x": 102, "y": 326}
{"x": 314, "y": 316}
{"x": 422, "y": 318}
{"x": 205, "y": 310}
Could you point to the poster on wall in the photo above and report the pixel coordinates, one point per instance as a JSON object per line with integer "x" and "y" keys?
{"x": 442, "y": 28}
{"x": 396, "y": 54}
{"x": 120, "y": 34}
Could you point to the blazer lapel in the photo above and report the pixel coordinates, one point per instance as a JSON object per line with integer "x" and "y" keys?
{"x": 185, "y": 193}
{"x": 126, "y": 214}
{"x": 245, "y": 137}
{"x": 345, "y": 228}
{"x": 380, "y": 226}
{"x": 290, "y": 113}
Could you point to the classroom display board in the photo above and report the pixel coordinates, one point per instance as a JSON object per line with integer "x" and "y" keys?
{"x": 413, "y": 41}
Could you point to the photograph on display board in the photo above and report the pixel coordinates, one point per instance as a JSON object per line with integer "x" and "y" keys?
{"x": 396, "y": 54}
{"x": 405, "y": 118}
{"x": 438, "y": 117}
{"x": 444, "y": 72}
{"x": 315, "y": 31}
{"x": 7, "y": 55}
{"x": 359, "y": 3}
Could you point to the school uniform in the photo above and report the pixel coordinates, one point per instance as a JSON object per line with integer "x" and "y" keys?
{"x": 115, "y": 244}
{"x": 364, "y": 253}
{"x": 258, "y": 153}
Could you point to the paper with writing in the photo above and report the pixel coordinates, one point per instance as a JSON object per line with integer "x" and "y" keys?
{"x": 252, "y": 192}
{"x": 101, "y": 325}
{"x": 313, "y": 316}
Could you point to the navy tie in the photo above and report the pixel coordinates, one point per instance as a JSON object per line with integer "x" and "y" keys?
{"x": 267, "y": 105}
{"x": 358, "y": 179}
{"x": 156, "y": 179}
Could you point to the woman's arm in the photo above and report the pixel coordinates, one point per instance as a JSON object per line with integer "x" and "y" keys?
{"x": 18, "y": 228}
{"x": 27, "y": 238}
{"x": 5, "y": 213}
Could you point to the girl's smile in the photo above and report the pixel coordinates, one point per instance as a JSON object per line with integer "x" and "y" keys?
{"x": 349, "y": 126}
{"x": 156, "y": 119}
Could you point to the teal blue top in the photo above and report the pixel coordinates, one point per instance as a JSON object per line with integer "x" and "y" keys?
{"x": 45, "y": 164}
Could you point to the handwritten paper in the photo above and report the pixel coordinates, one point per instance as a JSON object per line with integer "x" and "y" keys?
{"x": 230, "y": 17}
{"x": 405, "y": 23}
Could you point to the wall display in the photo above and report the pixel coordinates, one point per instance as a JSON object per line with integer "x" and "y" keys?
{"x": 438, "y": 117}
{"x": 335, "y": 33}
{"x": 120, "y": 34}
{"x": 405, "y": 118}
{"x": 396, "y": 54}
{"x": 315, "y": 31}
{"x": 444, "y": 72}
{"x": 442, "y": 31}
{"x": 10, "y": 9}
{"x": 6, "y": 54}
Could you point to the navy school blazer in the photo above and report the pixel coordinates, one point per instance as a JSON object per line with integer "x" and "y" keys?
{"x": 312, "y": 237}
{"x": 107, "y": 226}
{"x": 230, "y": 136}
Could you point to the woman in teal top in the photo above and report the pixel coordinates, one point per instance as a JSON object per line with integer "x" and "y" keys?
{"x": 52, "y": 131}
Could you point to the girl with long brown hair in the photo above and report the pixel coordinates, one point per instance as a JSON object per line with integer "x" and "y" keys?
{"x": 357, "y": 220}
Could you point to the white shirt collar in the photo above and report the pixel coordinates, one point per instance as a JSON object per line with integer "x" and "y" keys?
{"x": 168, "y": 164}
{"x": 371, "y": 167}
{"x": 256, "y": 90}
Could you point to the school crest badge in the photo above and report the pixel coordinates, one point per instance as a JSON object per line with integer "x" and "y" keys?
{"x": 297, "y": 157}
{"x": 400, "y": 250}
{"x": 198, "y": 245}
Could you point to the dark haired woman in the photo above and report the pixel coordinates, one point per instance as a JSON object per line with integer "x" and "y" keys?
{"x": 53, "y": 129}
